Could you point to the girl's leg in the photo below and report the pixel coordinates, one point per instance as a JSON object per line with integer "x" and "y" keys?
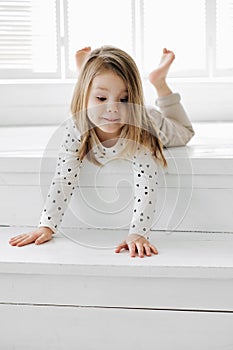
{"x": 81, "y": 56}
{"x": 158, "y": 76}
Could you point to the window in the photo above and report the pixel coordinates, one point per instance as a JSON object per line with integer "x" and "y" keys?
{"x": 29, "y": 37}
{"x": 224, "y": 35}
{"x": 38, "y": 39}
{"x": 197, "y": 30}
{"x": 180, "y": 26}
{"x": 95, "y": 23}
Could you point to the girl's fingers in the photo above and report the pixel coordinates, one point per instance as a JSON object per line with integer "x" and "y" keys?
{"x": 121, "y": 246}
{"x": 40, "y": 240}
{"x": 132, "y": 250}
{"x": 43, "y": 238}
{"x": 153, "y": 249}
{"x": 17, "y": 237}
{"x": 27, "y": 240}
{"x": 137, "y": 245}
{"x": 13, "y": 242}
{"x": 23, "y": 239}
{"x": 147, "y": 249}
{"x": 38, "y": 236}
{"x": 140, "y": 249}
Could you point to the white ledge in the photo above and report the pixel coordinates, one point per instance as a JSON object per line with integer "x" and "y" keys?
{"x": 209, "y": 152}
{"x": 191, "y": 271}
{"x": 91, "y": 252}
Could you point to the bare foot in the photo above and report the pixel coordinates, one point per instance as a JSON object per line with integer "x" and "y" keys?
{"x": 81, "y": 56}
{"x": 158, "y": 75}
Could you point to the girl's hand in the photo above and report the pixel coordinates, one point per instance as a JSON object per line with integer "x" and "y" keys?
{"x": 137, "y": 244}
{"x": 40, "y": 235}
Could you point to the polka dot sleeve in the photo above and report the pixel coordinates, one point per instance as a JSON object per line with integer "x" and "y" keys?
{"x": 65, "y": 179}
{"x": 145, "y": 170}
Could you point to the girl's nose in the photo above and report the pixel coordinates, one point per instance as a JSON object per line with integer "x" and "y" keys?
{"x": 112, "y": 108}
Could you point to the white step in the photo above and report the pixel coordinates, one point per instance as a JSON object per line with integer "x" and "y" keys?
{"x": 75, "y": 292}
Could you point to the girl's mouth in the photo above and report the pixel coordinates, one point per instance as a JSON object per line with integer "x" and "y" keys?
{"x": 112, "y": 119}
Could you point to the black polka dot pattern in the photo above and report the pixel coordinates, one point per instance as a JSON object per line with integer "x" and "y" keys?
{"x": 145, "y": 178}
{"x": 64, "y": 181}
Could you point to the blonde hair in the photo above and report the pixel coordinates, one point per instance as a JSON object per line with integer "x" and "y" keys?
{"x": 141, "y": 129}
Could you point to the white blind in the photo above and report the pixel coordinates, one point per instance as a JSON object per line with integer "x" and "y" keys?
{"x": 15, "y": 34}
{"x": 96, "y": 23}
{"x": 28, "y": 38}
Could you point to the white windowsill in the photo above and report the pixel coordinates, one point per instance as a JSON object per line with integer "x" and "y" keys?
{"x": 209, "y": 152}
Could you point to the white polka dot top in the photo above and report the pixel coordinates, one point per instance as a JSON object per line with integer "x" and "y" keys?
{"x": 65, "y": 180}
{"x": 174, "y": 128}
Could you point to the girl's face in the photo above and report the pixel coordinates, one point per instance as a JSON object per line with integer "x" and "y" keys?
{"x": 107, "y": 105}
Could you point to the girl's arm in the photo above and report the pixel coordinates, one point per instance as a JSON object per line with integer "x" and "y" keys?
{"x": 60, "y": 192}
{"x": 64, "y": 181}
{"x": 145, "y": 169}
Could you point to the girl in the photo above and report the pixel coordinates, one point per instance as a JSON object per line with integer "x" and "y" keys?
{"x": 109, "y": 119}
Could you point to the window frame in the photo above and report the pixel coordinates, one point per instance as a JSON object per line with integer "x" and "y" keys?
{"x": 63, "y": 72}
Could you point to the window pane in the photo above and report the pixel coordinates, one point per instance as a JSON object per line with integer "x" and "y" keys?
{"x": 224, "y": 34}
{"x": 179, "y": 26}
{"x": 96, "y": 23}
{"x": 28, "y": 39}
{"x": 44, "y": 48}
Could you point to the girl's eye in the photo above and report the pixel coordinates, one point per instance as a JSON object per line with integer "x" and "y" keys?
{"x": 102, "y": 99}
{"x": 124, "y": 100}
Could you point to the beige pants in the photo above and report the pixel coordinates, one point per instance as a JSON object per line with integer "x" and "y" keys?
{"x": 175, "y": 129}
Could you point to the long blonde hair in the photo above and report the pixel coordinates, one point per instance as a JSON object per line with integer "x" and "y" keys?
{"x": 141, "y": 129}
